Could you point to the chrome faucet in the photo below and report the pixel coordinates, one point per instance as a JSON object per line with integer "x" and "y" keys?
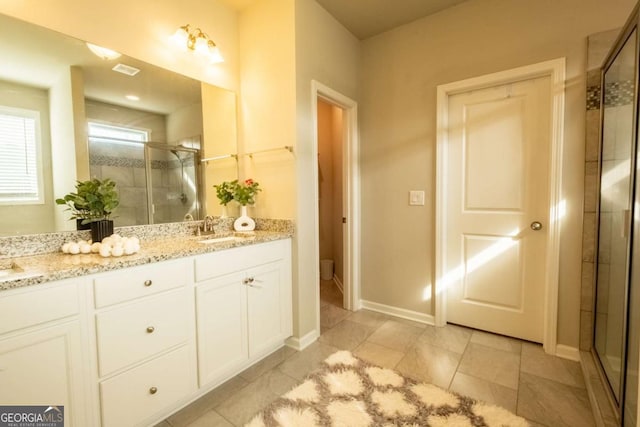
{"x": 208, "y": 225}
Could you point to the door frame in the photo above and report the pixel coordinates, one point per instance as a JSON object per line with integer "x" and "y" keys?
{"x": 351, "y": 193}
{"x": 555, "y": 69}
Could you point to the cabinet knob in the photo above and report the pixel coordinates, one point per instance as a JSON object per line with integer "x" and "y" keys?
{"x": 150, "y": 329}
{"x": 251, "y": 282}
{"x": 148, "y": 282}
{"x": 153, "y": 390}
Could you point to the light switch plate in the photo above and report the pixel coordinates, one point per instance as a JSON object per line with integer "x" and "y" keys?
{"x": 416, "y": 198}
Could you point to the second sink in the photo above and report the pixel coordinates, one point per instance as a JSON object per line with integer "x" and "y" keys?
{"x": 219, "y": 240}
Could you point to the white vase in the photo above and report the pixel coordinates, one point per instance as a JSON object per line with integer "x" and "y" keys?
{"x": 223, "y": 214}
{"x": 244, "y": 221}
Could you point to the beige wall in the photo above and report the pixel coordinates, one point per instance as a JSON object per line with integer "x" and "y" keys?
{"x": 30, "y": 218}
{"x": 267, "y": 104}
{"x": 141, "y": 29}
{"x": 117, "y": 115}
{"x": 184, "y": 123}
{"x": 401, "y": 70}
{"x": 220, "y": 134}
{"x": 284, "y": 45}
{"x": 65, "y": 99}
{"x": 328, "y": 53}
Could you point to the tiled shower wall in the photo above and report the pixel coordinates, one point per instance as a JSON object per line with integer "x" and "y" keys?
{"x": 598, "y": 48}
{"x": 126, "y": 166}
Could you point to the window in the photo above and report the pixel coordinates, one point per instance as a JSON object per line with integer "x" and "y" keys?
{"x": 99, "y": 132}
{"x": 20, "y": 157}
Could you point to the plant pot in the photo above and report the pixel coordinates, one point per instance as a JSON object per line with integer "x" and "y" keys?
{"x": 244, "y": 221}
{"x": 81, "y": 226}
{"x": 101, "y": 229}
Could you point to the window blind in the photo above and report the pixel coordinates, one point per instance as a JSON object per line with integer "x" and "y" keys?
{"x": 99, "y": 132}
{"x": 19, "y": 174}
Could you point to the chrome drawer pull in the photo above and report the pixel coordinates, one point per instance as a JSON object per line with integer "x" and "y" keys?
{"x": 150, "y": 329}
{"x": 148, "y": 282}
{"x": 153, "y": 390}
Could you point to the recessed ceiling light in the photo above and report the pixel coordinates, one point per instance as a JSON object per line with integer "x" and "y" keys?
{"x": 132, "y": 97}
{"x": 126, "y": 69}
{"x": 103, "y": 52}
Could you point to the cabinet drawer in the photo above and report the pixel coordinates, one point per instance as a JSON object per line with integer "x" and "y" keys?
{"x": 231, "y": 260}
{"x": 133, "y": 396}
{"x": 128, "y": 334}
{"x": 137, "y": 282}
{"x": 28, "y": 308}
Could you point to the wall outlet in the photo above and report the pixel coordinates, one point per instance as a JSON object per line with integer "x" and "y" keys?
{"x": 416, "y": 198}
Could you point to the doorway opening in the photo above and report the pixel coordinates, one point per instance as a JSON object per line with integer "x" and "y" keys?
{"x": 337, "y": 208}
{"x": 330, "y": 213}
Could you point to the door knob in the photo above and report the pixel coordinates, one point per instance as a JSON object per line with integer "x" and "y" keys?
{"x": 536, "y": 225}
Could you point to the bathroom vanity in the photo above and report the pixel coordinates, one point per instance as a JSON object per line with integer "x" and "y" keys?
{"x": 127, "y": 342}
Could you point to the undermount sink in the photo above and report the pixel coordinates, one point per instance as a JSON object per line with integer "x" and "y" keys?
{"x": 208, "y": 241}
{"x": 9, "y": 270}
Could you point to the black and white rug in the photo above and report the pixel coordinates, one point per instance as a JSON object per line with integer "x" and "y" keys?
{"x": 346, "y": 391}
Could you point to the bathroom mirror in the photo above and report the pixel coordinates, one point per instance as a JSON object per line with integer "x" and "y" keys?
{"x": 143, "y": 126}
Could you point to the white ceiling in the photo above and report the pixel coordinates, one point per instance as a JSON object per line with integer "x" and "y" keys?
{"x": 39, "y": 56}
{"x": 366, "y": 18}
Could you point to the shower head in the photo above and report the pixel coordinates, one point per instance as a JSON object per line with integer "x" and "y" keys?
{"x": 175, "y": 153}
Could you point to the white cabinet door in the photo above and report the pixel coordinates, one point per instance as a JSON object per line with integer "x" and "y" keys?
{"x": 267, "y": 310}
{"x": 221, "y": 306}
{"x": 44, "y": 367}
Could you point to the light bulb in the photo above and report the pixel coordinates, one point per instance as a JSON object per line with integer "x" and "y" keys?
{"x": 214, "y": 53}
{"x": 181, "y": 37}
{"x": 201, "y": 46}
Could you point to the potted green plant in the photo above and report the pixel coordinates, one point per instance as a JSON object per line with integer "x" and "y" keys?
{"x": 93, "y": 203}
{"x": 224, "y": 192}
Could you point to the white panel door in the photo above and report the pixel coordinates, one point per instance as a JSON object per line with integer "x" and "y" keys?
{"x": 497, "y": 176}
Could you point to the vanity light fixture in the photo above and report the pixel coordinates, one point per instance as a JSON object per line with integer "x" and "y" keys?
{"x": 103, "y": 52}
{"x": 198, "y": 42}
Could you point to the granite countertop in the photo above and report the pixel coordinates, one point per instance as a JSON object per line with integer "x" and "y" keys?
{"x": 57, "y": 266}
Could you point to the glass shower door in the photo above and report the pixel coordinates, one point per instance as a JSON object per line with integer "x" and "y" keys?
{"x": 173, "y": 177}
{"x": 615, "y": 214}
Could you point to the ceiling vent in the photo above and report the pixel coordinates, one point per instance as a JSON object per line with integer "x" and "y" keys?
{"x": 126, "y": 69}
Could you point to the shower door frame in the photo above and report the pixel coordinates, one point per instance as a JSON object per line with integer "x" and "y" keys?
{"x": 632, "y": 24}
{"x": 197, "y": 173}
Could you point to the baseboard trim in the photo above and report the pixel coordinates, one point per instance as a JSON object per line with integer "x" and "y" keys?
{"x": 303, "y": 342}
{"x": 403, "y": 313}
{"x": 567, "y": 352}
{"x": 338, "y": 283}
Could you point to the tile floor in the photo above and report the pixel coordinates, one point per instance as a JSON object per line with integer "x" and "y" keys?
{"x": 517, "y": 375}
